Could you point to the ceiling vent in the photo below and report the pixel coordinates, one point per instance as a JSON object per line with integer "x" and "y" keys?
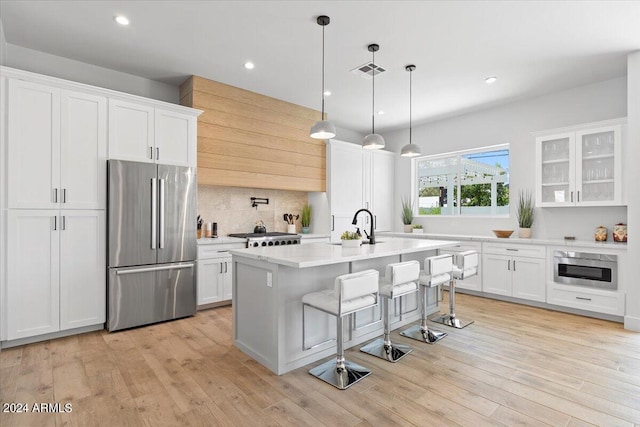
{"x": 368, "y": 69}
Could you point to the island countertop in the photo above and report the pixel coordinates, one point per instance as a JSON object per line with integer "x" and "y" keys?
{"x": 318, "y": 254}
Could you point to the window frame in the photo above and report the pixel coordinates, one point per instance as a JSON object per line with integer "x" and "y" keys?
{"x": 458, "y": 154}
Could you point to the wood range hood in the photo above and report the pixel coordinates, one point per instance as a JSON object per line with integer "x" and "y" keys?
{"x": 250, "y": 140}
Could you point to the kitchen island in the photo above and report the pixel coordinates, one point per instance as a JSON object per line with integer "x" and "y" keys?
{"x": 269, "y": 282}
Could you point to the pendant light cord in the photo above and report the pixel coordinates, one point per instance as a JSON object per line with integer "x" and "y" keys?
{"x": 322, "y": 118}
{"x": 373, "y": 82}
{"x": 410, "y": 103}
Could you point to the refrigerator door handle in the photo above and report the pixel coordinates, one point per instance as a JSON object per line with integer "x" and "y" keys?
{"x": 148, "y": 269}
{"x": 154, "y": 213}
{"x": 161, "y": 213}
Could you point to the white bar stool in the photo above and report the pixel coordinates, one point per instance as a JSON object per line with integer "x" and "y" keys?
{"x": 353, "y": 292}
{"x": 466, "y": 266}
{"x": 400, "y": 279}
{"x": 437, "y": 271}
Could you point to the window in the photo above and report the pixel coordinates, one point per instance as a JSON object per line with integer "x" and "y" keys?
{"x": 467, "y": 183}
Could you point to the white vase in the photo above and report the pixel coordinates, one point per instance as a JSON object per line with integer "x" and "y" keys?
{"x": 351, "y": 243}
{"x": 291, "y": 228}
{"x": 524, "y": 233}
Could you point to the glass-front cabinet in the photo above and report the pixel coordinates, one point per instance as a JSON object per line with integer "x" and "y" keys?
{"x": 581, "y": 167}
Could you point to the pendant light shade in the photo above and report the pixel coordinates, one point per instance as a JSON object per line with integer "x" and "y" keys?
{"x": 410, "y": 150}
{"x": 373, "y": 141}
{"x": 323, "y": 129}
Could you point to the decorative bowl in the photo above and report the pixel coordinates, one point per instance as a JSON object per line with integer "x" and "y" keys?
{"x": 503, "y": 234}
{"x": 351, "y": 243}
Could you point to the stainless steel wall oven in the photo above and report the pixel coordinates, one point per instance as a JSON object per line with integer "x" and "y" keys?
{"x": 586, "y": 269}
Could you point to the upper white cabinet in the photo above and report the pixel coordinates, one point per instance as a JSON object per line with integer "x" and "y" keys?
{"x": 379, "y": 167}
{"x": 345, "y": 186}
{"x": 581, "y": 166}
{"x": 57, "y": 148}
{"x": 143, "y": 133}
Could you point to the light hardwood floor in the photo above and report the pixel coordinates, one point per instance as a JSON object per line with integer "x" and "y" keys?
{"x": 516, "y": 365}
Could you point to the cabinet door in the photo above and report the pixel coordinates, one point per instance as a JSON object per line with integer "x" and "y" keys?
{"x": 32, "y": 303}
{"x": 131, "y": 131}
{"x": 496, "y": 274}
{"x": 528, "y": 278}
{"x": 33, "y": 165}
{"x": 210, "y": 280}
{"x": 555, "y": 170}
{"x": 82, "y": 268}
{"x": 382, "y": 178}
{"x": 345, "y": 186}
{"x": 227, "y": 280}
{"x": 175, "y": 138}
{"x": 83, "y": 155}
{"x": 598, "y": 166}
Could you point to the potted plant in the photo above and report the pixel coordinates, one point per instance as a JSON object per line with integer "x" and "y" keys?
{"x": 305, "y": 218}
{"x": 407, "y": 215}
{"x": 417, "y": 228}
{"x": 351, "y": 239}
{"x": 526, "y": 214}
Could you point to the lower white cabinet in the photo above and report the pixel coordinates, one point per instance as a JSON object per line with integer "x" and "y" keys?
{"x": 514, "y": 270}
{"x": 214, "y": 279}
{"x": 56, "y": 271}
{"x": 597, "y": 300}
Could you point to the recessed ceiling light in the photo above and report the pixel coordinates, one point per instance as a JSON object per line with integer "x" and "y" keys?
{"x": 249, "y": 65}
{"x": 121, "y": 19}
{"x": 380, "y": 112}
{"x": 327, "y": 93}
{"x": 490, "y": 80}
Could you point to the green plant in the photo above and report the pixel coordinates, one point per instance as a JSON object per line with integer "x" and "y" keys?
{"x": 417, "y": 226}
{"x": 305, "y": 216}
{"x": 407, "y": 211}
{"x": 525, "y": 210}
{"x": 350, "y": 235}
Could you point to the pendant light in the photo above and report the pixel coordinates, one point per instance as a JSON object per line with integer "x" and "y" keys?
{"x": 373, "y": 141}
{"x": 410, "y": 150}
{"x": 323, "y": 129}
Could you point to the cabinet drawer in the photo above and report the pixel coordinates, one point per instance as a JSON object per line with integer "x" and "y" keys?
{"x": 530, "y": 251}
{"x": 216, "y": 251}
{"x": 463, "y": 247}
{"x": 587, "y": 299}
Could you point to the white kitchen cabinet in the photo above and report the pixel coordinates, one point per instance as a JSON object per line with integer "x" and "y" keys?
{"x": 345, "y": 186}
{"x": 581, "y": 166}
{"x": 378, "y": 168}
{"x": 214, "y": 273}
{"x": 56, "y": 148}
{"x": 473, "y": 283}
{"x": 142, "y": 133}
{"x": 56, "y": 271}
{"x": 515, "y": 270}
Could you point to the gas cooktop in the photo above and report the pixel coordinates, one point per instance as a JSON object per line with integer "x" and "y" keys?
{"x": 268, "y": 239}
{"x": 252, "y": 235}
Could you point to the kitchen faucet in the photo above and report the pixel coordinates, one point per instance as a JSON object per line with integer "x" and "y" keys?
{"x": 371, "y": 236}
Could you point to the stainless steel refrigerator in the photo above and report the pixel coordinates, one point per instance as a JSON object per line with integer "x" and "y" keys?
{"x": 152, "y": 243}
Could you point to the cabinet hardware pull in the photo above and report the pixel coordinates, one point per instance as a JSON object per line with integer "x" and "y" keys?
{"x": 578, "y": 195}
{"x": 55, "y": 195}
{"x": 584, "y": 299}
{"x": 375, "y": 222}
{"x": 220, "y": 268}
{"x": 151, "y": 153}
{"x": 157, "y": 153}
{"x": 64, "y": 195}
{"x": 514, "y": 265}
{"x": 512, "y": 250}
{"x": 64, "y": 222}
{"x": 226, "y": 267}
{"x": 509, "y": 264}
{"x": 55, "y": 223}
{"x": 572, "y": 197}
{"x": 333, "y": 222}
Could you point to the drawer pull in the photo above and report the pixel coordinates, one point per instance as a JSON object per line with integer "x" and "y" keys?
{"x": 512, "y": 250}
{"x": 583, "y": 298}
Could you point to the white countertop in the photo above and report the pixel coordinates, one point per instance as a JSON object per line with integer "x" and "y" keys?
{"x": 220, "y": 240}
{"x": 316, "y": 254}
{"x": 314, "y": 236}
{"x": 513, "y": 240}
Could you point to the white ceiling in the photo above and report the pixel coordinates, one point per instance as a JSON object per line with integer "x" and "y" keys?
{"x": 533, "y": 47}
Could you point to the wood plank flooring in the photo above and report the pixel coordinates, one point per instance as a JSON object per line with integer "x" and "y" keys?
{"x": 516, "y": 365}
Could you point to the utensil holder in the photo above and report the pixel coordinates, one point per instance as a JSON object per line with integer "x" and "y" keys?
{"x": 291, "y": 228}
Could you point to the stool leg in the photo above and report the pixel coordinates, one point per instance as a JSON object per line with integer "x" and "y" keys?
{"x": 451, "y": 319}
{"x": 422, "y": 332}
{"x": 383, "y": 347}
{"x": 340, "y": 373}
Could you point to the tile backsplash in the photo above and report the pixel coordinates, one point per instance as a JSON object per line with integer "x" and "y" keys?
{"x": 231, "y": 208}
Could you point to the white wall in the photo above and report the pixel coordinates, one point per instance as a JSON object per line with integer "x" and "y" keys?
{"x": 64, "y": 68}
{"x": 513, "y": 123}
{"x": 632, "y": 317}
{"x": 3, "y": 45}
